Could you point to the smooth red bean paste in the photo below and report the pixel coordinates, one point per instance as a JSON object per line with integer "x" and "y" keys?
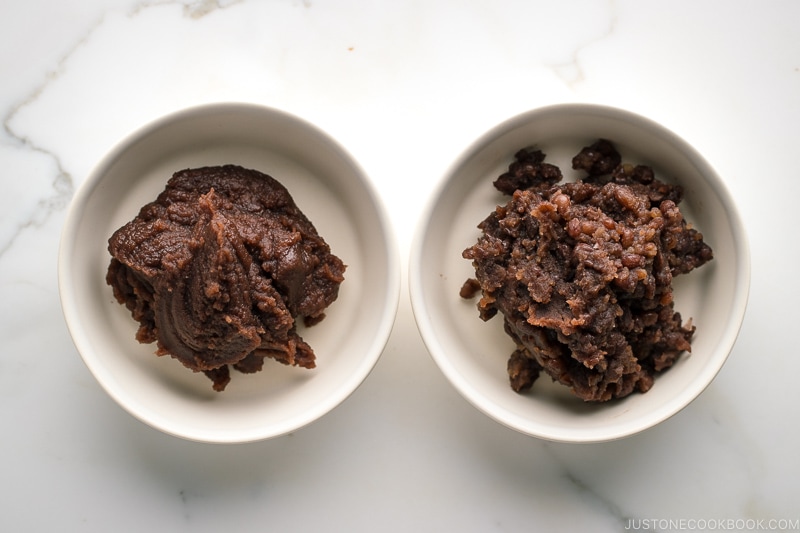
{"x": 582, "y": 272}
{"x": 217, "y": 269}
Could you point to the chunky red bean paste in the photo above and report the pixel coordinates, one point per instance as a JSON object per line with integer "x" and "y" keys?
{"x": 217, "y": 269}
{"x": 582, "y": 272}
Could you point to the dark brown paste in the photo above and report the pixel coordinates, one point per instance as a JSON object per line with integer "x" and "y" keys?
{"x": 582, "y": 272}
{"x": 218, "y": 267}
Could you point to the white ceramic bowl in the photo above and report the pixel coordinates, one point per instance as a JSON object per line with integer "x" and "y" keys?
{"x": 328, "y": 186}
{"x": 472, "y": 354}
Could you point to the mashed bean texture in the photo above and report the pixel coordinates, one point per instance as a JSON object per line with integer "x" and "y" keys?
{"x": 582, "y": 272}
{"x": 218, "y": 267}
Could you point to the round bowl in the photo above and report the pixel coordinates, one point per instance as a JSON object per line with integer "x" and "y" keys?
{"x": 472, "y": 354}
{"x": 327, "y": 185}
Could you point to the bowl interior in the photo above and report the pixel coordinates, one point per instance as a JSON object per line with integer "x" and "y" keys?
{"x": 473, "y": 354}
{"x": 329, "y": 188}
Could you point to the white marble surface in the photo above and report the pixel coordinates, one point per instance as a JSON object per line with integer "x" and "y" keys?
{"x": 404, "y": 86}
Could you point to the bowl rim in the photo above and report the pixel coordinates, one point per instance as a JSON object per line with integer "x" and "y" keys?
{"x": 416, "y": 271}
{"x": 79, "y": 334}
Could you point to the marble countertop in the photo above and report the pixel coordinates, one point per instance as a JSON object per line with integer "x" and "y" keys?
{"x": 404, "y": 86}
